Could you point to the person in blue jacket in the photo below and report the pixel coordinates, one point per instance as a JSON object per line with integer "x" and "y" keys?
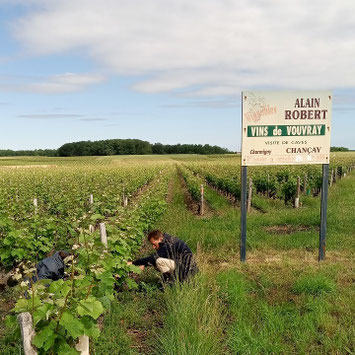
{"x": 173, "y": 258}
{"x": 51, "y": 268}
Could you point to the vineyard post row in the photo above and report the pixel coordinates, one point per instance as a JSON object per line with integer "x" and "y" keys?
{"x": 202, "y": 208}
{"x": 229, "y": 185}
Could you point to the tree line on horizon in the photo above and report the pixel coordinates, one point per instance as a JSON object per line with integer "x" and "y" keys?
{"x": 29, "y": 153}
{"x": 134, "y": 147}
{"x": 117, "y": 147}
{"x": 339, "y": 149}
{"x": 124, "y": 147}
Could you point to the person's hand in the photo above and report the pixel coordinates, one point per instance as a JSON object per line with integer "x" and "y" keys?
{"x": 140, "y": 266}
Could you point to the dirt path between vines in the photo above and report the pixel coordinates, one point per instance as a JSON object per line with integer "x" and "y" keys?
{"x": 170, "y": 195}
{"x": 192, "y": 205}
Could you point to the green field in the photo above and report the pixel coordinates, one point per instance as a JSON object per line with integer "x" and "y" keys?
{"x": 281, "y": 301}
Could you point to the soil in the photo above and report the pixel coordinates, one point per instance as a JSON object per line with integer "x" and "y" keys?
{"x": 138, "y": 336}
{"x": 233, "y": 201}
{"x": 142, "y": 336}
{"x": 100, "y": 322}
{"x": 192, "y": 205}
{"x": 3, "y": 279}
{"x": 170, "y": 195}
{"x": 141, "y": 191}
{"x": 7, "y": 301}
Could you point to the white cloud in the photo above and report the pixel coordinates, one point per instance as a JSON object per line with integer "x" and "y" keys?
{"x": 206, "y": 47}
{"x": 93, "y": 119}
{"x": 68, "y": 82}
{"x": 210, "y": 103}
{"x": 61, "y": 116}
{"x": 50, "y": 116}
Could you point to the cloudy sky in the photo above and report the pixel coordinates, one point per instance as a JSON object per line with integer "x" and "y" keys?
{"x": 168, "y": 71}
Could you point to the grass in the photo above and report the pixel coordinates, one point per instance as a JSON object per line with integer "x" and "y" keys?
{"x": 314, "y": 284}
{"x": 282, "y": 301}
{"x": 193, "y": 323}
{"x": 114, "y": 338}
{"x": 130, "y": 326}
{"x": 298, "y": 314}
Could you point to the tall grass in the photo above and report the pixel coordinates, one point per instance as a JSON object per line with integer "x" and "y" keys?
{"x": 194, "y": 320}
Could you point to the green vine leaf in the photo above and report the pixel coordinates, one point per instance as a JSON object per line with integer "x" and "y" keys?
{"x": 135, "y": 269}
{"x": 66, "y": 349}
{"x": 91, "y": 329}
{"x": 91, "y": 307}
{"x": 42, "y": 313}
{"x": 95, "y": 217}
{"x": 46, "y": 337}
{"x": 72, "y": 325}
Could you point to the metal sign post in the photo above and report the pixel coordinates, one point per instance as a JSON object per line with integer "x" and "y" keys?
{"x": 243, "y": 214}
{"x": 323, "y": 212}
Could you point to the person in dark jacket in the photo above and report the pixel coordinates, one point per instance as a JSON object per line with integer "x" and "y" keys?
{"x": 173, "y": 258}
{"x": 51, "y": 268}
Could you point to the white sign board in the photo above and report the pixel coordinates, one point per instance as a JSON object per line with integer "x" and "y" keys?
{"x": 286, "y": 127}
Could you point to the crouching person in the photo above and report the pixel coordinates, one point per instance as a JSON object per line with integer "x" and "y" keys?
{"x": 51, "y": 268}
{"x": 173, "y": 258}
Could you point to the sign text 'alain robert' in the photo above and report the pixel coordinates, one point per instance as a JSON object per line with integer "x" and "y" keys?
{"x": 306, "y": 109}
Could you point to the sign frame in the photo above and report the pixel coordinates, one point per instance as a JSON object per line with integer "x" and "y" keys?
{"x": 324, "y": 131}
{"x": 286, "y": 127}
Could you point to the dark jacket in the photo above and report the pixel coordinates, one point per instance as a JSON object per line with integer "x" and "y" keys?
{"x": 51, "y": 268}
{"x": 175, "y": 249}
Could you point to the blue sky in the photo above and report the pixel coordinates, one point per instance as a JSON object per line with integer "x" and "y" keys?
{"x": 165, "y": 71}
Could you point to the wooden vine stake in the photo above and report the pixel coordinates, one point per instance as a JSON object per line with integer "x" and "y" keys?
{"x": 27, "y": 332}
{"x": 250, "y": 193}
{"x": 91, "y": 228}
{"x": 305, "y": 183}
{"x": 124, "y": 198}
{"x": 103, "y": 234}
{"x": 331, "y": 178}
{"x": 297, "y": 199}
{"x": 91, "y": 199}
{"x": 202, "y": 206}
{"x": 35, "y": 203}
